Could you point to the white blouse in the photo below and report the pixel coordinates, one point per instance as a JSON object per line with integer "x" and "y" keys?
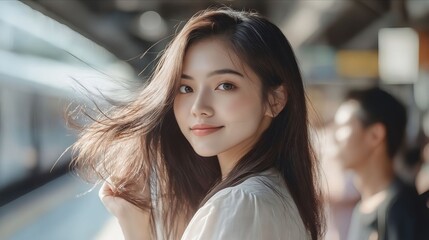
{"x": 250, "y": 210}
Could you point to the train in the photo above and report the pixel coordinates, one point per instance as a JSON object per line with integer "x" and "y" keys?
{"x": 41, "y": 64}
{"x": 33, "y": 133}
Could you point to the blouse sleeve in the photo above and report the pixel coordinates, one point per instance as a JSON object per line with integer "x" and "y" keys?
{"x": 236, "y": 214}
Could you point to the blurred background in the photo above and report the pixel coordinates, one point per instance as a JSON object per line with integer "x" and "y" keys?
{"x": 49, "y": 49}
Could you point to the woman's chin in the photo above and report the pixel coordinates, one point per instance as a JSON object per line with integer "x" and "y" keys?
{"x": 205, "y": 153}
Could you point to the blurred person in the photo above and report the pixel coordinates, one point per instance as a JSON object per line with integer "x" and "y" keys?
{"x": 370, "y": 128}
{"x": 216, "y": 145}
{"x": 422, "y": 178}
{"x": 409, "y": 165}
{"x": 341, "y": 194}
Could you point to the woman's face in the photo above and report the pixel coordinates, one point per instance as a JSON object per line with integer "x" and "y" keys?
{"x": 219, "y": 107}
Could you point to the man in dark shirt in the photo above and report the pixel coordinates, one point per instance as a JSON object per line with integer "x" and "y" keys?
{"x": 370, "y": 128}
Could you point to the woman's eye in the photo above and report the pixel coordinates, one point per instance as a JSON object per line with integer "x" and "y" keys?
{"x": 226, "y": 86}
{"x": 185, "y": 89}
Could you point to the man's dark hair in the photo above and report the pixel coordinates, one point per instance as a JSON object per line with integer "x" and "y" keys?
{"x": 378, "y": 106}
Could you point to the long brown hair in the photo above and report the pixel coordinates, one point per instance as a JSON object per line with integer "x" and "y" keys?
{"x": 140, "y": 142}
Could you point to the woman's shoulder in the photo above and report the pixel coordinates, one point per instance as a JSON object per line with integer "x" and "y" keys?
{"x": 258, "y": 208}
{"x": 268, "y": 185}
{"x": 265, "y": 193}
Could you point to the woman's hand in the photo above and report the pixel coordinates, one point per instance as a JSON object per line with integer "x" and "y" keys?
{"x": 134, "y": 221}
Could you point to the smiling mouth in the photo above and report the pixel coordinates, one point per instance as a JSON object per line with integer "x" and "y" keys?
{"x": 204, "y": 131}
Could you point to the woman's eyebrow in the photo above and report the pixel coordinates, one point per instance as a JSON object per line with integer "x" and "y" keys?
{"x": 216, "y": 72}
{"x": 224, "y": 71}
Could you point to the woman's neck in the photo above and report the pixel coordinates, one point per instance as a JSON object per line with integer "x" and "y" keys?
{"x": 228, "y": 159}
{"x": 227, "y": 162}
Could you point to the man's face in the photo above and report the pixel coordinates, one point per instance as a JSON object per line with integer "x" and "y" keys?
{"x": 351, "y": 145}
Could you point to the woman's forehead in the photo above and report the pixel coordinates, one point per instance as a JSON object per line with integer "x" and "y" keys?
{"x": 211, "y": 51}
{"x": 214, "y": 53}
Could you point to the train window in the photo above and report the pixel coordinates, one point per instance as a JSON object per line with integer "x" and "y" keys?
{"x": 53, "y": 135}
{"x": 18, "y": 156}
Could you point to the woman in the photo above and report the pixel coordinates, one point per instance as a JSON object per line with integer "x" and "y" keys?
{"x": 216, "y": 145}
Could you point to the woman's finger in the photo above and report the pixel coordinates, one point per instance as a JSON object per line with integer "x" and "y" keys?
{"x": 105, "y": 190}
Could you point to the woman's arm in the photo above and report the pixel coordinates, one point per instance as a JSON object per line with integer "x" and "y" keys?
{"x": 134, "y": 222}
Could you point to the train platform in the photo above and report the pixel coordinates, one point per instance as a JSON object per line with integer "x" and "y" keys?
{"x": 64, "y": 208}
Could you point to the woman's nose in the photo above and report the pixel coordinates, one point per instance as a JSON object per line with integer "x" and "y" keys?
{"x": 202, "y": 106}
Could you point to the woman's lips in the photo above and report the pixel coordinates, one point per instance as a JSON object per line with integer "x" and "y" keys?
{"x": 203, "y": 130}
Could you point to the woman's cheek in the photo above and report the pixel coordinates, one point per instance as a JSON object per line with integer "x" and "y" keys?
{"x": 181, "y": 110}
{"x": 240, "y": 107}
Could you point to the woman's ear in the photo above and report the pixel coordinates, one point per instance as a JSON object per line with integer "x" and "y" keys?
{"x": 277, "y": 100}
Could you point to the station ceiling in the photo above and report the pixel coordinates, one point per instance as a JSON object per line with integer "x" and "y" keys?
{"x": 341, "y": 24}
